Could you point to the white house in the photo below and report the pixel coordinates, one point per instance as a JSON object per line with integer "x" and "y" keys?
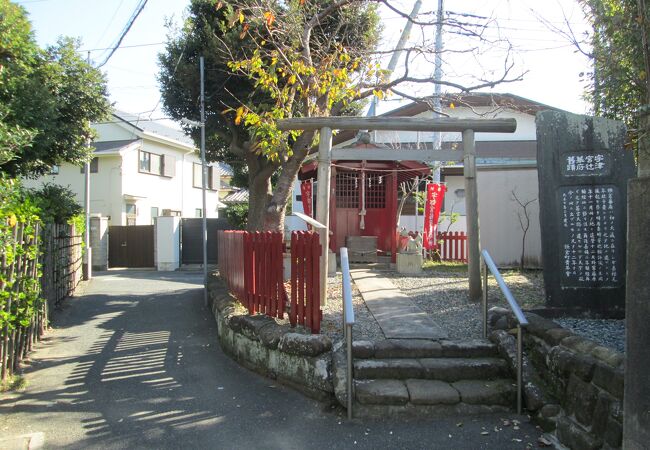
{"x": 140, "y": 170}
{"x": 506, "y": 166}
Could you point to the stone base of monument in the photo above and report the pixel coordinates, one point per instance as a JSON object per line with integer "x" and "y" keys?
{"x": 409, "y": 263}
{"x": 331, "y": 263}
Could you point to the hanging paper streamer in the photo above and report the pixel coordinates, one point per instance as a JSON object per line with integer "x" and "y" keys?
{"x": 306, "y": 189}
{"x": 435, "y": 197}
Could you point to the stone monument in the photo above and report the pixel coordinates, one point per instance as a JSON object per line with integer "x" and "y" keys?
{"x": 409, "y": 260}
{"x": 583, "y": 169}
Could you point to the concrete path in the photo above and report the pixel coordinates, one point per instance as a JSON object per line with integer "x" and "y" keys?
{"x": 397, "y": 315}
{"x": 135, "y": 363}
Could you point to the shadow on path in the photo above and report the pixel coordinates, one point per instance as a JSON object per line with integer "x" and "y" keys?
{"x": 135, "y": 362}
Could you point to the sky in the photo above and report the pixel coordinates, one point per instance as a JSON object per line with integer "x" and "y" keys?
{"x": 552, "y": 66}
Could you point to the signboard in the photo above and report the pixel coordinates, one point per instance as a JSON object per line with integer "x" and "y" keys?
{"x": 583, "y": 170}
{"x": 432, "y": 207}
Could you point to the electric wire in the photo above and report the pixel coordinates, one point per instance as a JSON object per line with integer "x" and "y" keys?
{"x": 126, "y": 29}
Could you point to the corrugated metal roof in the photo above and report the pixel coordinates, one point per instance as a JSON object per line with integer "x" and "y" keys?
{"x": 240, "y": 196}
{"x": 225, "y": 169}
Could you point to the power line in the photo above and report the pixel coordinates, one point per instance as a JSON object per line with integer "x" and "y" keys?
{"x": 123, "y": 47}
{"x": 126, "y": 29}
{"x": 110, "y": 22}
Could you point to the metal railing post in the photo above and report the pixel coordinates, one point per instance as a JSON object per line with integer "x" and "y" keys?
{"x": 348, "y": 322}
{"x": 520, "y": 357}
{"x": 518, "y": 314}
{"x": 348, "y": 339}
{"x": 485, "y": 297}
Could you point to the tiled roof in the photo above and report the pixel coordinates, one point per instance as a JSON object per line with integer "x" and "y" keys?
{"x": 109, "y": 147}
{"x": 154, "y": 127}
{"x": 240, "y": 196}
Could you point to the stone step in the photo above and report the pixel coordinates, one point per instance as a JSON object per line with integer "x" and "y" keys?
{"x": 414, "y": 393}
{"x": 444, "y": 369}
{"x": 419, "y": 348}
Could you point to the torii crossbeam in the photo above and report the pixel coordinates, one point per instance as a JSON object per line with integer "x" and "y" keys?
{"x": 467, "y": 127}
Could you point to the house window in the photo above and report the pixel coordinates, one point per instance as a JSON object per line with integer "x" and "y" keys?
{"x": 154, "y": 214}
{"x": 212, "y": 182}
{"x": 131, "y": 213}
{"x": 198, "y": 212}
{"x": 94, "y": 166}
{"x": 196, "y": 175}
{"x": 155, "y": 164}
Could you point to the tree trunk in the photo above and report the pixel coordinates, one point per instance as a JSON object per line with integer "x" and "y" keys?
{"x": 267, "y": 203}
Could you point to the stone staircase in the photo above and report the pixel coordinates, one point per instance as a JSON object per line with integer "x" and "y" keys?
{"x": 413, "y": 377}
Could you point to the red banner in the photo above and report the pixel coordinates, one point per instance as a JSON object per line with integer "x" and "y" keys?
{"x": 306, "y": 188}
{"x": 435, "y": 197}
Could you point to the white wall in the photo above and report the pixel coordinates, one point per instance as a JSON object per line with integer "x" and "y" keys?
{"x": 525, "y": 131}
{"x": 113, "y": 131}
{"x": 174, "y": 193}
{"x": 105, "y": 185}
{"x": 500, "y": 231}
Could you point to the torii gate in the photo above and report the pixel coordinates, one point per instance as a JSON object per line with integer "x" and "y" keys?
{"x": 467, "y": 127}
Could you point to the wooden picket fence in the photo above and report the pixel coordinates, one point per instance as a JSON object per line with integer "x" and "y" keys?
{"x": 30, "y": 285}
{"x": 263, "y": 277}
{"x": 251, "y": 264}
{"x": 305, "y": 280}
{"x": 230, "y": 254}
{"x": 452, "y": 246}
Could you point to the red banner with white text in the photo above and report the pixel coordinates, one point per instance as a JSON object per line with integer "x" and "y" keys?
{"x": 435, "y": 197}
{"x": 306, "y": 188}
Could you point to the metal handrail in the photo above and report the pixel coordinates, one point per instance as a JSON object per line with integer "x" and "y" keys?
{"x": 348, "y": 322}
{"x": 522, "y": 322}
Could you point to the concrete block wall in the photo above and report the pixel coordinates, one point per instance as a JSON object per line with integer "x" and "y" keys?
{"x": 99, "y": 242}
{"x": 167, "y": 239}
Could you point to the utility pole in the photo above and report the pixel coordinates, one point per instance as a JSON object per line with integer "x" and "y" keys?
{"x": 436, "y": 141}
{"x": 204, "y": 178}
{"x": 87, "y": 272}
{"x": 399, "y": 49}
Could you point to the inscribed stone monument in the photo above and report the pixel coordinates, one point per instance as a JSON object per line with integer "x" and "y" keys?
{"x": 583, "y": 170}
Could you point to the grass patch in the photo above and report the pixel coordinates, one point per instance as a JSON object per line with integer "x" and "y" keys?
{"x": 444, "y": 266}
{"x": 14, "y": 383}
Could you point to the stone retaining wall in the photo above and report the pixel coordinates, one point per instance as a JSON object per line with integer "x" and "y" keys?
{"x": 277, "y": 351}
{"x": 572, "y": 384}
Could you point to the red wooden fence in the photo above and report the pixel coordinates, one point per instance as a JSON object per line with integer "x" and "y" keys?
{"x": 251, "y": 263}
{"x": 231, "y": 261}
{"x": 263, "y": 277}
{"x": 453, "y": 246}
{"x": 305, "y": 280}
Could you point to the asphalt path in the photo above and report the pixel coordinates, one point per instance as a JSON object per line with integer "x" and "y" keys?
{"x": 134, "y": 362}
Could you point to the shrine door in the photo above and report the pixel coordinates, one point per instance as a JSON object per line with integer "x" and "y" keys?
{"x": 378, "y": 219}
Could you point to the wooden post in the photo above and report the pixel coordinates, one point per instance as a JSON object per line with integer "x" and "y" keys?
{"x": 471, "y": 204}
{"x": 323, "y": 203}
{"x": 393, "y": 213}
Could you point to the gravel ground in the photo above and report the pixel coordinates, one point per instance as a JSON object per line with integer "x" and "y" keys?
{"x": 609, "y": 333}
{"x": 442, "y": 292}
{"x": 365, "y": 327}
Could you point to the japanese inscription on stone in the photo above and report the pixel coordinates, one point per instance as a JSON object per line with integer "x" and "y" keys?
{"x": 583, "y": 168}
{"x": 589, "y": 240}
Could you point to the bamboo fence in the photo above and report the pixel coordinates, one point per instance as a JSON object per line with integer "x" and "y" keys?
{"x": 39, "y": 266}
